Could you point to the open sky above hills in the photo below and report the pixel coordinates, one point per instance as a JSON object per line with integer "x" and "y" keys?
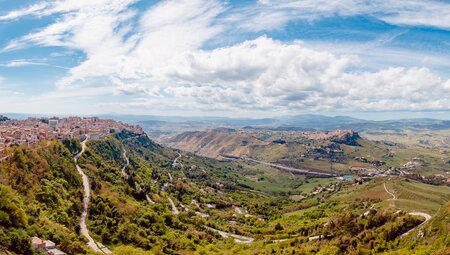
{"x": 223, "y": 58}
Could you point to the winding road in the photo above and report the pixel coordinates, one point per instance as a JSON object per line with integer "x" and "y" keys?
{"x": 124, "y": 173}
{"x": 149, "y": 199}
{"x": 421, "y": 214}
{"x": 86, "y": 198}
{"x": 237, "y": 238}
{"x": 390, "y": 193}
{"x": 175, "y": 163}
{"x": 87, "y": 195}
{"x": 174, "y": 208}
{"x": 425, "y": 215}
{"x": 291, "y": 169}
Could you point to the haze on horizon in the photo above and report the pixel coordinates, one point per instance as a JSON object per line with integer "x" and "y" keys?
{"x": 367, "y": 59}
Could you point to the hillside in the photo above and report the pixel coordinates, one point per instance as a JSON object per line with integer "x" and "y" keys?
{"x": 215, "y": 143}
{"x": 336, "y": 151}
{"x": 149, "y": 199}
{"x": 161, "y": 127}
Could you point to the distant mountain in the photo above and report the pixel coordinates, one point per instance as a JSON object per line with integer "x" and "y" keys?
{"x": 161, "y": 125}
{"x": 308, "y": 122}
{"x": 146, "y": 198}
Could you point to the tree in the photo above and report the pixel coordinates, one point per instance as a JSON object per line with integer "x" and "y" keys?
{"x": 278, "y": 227}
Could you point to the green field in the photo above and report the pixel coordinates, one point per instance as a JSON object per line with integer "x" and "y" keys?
{"x": 411, "y": 195}
{"x": 274, "y": 181}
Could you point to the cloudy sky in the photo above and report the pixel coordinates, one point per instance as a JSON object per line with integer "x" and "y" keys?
{"x": 225, "y": 58}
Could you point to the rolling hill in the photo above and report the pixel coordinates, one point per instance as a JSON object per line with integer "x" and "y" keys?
{"x": 335, "y": 151}
{"x": 150, "y": 199}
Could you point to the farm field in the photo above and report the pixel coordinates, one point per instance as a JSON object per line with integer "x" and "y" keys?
{"x": 410, "y": 195}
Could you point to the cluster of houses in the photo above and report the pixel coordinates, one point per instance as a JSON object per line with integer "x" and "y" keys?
{"x": 46, "y": 247}
{"x": 404, "y": 171}
{"x": 330, "y": 188}
{"x": 372, "y": 171}
{"x": 32, "y": 130}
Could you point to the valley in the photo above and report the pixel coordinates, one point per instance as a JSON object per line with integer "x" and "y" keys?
{"x": 224, "y": 127}
{"x": 284, "y": 191}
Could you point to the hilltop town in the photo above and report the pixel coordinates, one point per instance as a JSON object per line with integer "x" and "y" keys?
{"x": 32, "y": 130}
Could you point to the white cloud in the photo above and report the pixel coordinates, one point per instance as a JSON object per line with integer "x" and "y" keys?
{"x": 264, "y": 73}
{"x": 162, "y": 63}
{"x": 83, "y": 24}
{"x": 29, "y": 62}
{"x": 163, "y": 33}
{"x": 30, "y": 10}
{"x": 276, "y": 13}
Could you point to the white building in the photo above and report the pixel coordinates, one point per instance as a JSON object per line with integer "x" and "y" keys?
{"x": 53, "y": 123}
{"x": 45, "y": 246}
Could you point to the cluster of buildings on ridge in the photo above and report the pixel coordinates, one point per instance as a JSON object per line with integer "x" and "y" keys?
{"x": 32, "y": 130}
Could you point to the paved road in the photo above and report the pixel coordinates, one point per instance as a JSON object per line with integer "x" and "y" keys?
{"x": 175, "y": 163}
{"x": 291, "y": 169}
{"x": 279, "y": 240}
{"x": 87, "y": 195}
{"x": 174, "y": 208}
{"x": 149, "y": 199}
{"x": 422, "y": 214}
{"x": 237, "y": 238}
{"x": 124, "y": 173}
{"x": 172, "y": 204}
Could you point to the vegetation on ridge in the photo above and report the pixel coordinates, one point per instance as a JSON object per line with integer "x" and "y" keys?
{"x": 41, "y": 193}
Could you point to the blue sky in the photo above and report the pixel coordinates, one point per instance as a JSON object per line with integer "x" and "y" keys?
{"x": 226, "y": 58}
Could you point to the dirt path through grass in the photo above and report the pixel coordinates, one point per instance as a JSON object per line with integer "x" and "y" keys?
{"x": 390, "y": 193}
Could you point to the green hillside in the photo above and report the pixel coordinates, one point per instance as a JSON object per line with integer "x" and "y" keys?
{"x": 410, "y": 195}
{"x": 41, "y": 195}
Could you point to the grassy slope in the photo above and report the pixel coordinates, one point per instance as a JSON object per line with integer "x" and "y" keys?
{"x": 411, "y": 195}
{"x": 120, "y": 216}
{"x": 432, "y": 238}
{"x": 431, "y": 159}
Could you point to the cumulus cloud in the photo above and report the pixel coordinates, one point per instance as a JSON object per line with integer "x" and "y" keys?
{"x": 159, "y": 58}
{"x": 266, "y": 74}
